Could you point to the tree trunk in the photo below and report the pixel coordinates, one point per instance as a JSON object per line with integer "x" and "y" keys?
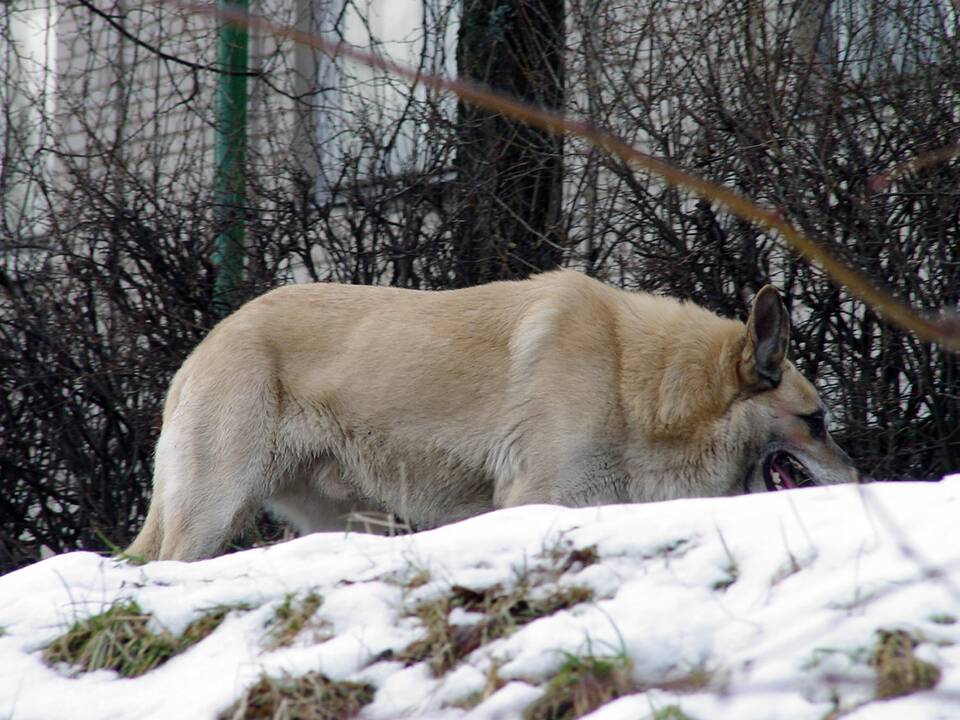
{"x": 509, "y": 175}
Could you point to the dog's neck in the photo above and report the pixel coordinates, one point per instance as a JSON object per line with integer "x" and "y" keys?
{"x": 688, "y": 363}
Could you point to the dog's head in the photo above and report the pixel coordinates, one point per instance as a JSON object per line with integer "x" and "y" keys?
{"x": 790, "y": 424}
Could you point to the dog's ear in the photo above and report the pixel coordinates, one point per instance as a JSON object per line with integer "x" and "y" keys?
{"x": 768, "y": 333}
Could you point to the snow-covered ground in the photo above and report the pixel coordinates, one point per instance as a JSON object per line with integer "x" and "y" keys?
{"x": 773, "y": 602}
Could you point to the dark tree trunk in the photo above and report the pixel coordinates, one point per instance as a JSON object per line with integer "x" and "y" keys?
{"x": 509, "y": 176}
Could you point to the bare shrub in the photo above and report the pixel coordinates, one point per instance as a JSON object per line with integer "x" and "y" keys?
{"x": 106, "y": 277}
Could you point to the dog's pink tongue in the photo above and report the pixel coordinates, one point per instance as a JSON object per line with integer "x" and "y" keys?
{"x": 785, "y": 478}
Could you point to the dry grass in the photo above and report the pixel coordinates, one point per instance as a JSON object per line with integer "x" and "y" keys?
{"x": 502, "y": 611}
{"x": 446, "y": 644}
{"x": 585, "y": 682}
{"x": 564, "y": 557}
{"x": 899, "y": 671}
{"x": 377, "y": 523}
{"x": 119, "y": 639}
{"x": 418, "y": 579}
{"x": 670, "y": 712}
{"x": 309, "y": 697}
{"x": 492, "y": 683}
{"x": 291, "y": 617}
{"x": 581, "y": 685}
{"x": 731, "y": 569}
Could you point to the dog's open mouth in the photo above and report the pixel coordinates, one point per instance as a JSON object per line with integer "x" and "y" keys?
{"x": 782, "y": 471}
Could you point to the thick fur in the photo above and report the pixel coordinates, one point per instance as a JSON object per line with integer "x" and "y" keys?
{"x": 314, "y": 399}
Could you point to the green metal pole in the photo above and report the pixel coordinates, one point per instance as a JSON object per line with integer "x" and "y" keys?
{"x": 230, "y": 145}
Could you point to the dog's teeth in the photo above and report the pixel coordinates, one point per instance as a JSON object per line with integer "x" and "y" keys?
{"x": 777, "y": 480}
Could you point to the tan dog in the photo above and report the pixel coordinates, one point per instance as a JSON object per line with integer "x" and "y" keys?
{"x": 437, "y": 406}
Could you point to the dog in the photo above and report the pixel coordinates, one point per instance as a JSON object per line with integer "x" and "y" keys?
{"x": 316, "y": 399}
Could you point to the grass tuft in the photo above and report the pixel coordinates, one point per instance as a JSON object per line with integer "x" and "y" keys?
{"x": 581, "y": 685}
{"x": 670, "y": 712}
{"x": 580, "y": 558}
{"x": 204, "y": 625}
{"x": 503, "y": 612}
{"x": 119, "y": 639}
{"x": 131, "y": 558}
{"x": 418, "y": 579}
{"x": 730, "y": 576}
{"x": 564, "y": 557}
{"x": 492, "y": 683}
{"x": 292, "y": 617}
{"x": 309, "y": 697}
{"x": 899, "y": 671}
{"x": 731, "y": 569}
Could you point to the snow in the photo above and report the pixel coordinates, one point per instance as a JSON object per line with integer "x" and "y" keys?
{"x": 776, "y": 599}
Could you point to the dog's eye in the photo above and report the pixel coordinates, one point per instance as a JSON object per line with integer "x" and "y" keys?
{"x": 817, "y": 423}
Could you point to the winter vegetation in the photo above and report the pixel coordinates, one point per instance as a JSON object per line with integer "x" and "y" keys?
{"x": 839, "y": 115}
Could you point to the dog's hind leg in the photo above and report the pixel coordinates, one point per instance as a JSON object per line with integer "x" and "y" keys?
{"x": 211, "y": 474}
{"x": 203, "y": 524}
{"x": 146, "y": 546}
{"x": 203, "y": 509}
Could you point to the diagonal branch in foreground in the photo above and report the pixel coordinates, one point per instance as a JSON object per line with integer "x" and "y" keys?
{"x": 944, "y": 331}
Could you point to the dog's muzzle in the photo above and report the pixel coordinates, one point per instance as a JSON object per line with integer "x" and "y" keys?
{"x": 783, "y": 471}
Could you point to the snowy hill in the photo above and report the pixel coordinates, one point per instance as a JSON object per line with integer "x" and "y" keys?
{"x": 815, "y": 603}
